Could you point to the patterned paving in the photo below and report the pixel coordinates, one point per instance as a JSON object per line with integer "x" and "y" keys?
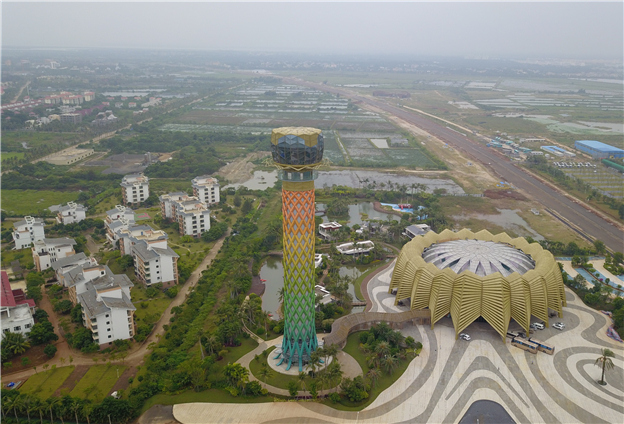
{"x": 442, "y": 383}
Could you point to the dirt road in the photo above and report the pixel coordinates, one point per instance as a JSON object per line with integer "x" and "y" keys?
{"x": 136, "y": 355}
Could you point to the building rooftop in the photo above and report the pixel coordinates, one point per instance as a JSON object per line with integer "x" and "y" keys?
{"x": 602, "y": 147}
{"x": 69, "y": 260}
{"x": 478, "y": 256}
{"x": 63, "y": 241}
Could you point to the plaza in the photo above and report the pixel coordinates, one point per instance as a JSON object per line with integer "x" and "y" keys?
{"x": 443, "y": 382}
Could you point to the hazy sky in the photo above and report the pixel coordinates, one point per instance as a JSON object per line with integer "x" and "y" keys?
{"x": 564, "y": 29}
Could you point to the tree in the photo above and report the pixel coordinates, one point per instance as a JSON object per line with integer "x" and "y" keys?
{"x": 265, "y": 373}
{"x": 247, "y": 205}
{"x": 236, "y": 374}
{"x": 50, "y": 350}
{"x": 15, "y": 343}
{"x": 63, "y": 306}
{"x": 292, "y": 388}
{"x": 373, "y": 375}
{"x": 42, "y": 333}
{"x": 605, "y": 362}
{"x": 301, "y": 378}
{"x": 600, "y": 247}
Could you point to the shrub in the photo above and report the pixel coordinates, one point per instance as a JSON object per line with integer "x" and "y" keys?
{"x": 172, "y": 292}
{"x": 144, "y": 305}
{"x": 293, "y": 388}
{"x": 50, "y": 351}
{"x": 259, "y": 331}
{"x": 334, "y": 397}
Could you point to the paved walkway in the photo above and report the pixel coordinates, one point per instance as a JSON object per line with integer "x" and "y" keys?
{"x": 443, "y": 382}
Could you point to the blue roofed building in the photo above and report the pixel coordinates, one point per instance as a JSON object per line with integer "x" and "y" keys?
{"x": 598, "y": 150}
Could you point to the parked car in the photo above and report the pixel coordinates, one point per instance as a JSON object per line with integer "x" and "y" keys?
{"x": 539, "y": 326}
{"x": 464, "y": 336}
{"x": 559, "y": 326}
{"x": 115, "y": 394}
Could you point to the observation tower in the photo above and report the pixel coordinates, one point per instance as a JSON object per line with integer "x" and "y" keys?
{"x": 298, "y": 152}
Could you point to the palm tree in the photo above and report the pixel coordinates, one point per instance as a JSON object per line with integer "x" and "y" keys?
{"x": 605, "y": 361}
{"x": 301, "y": 377}
{"x": 16, "y": 343}
{"x": 29, "y": 401}
{"x": 334, "y": 371}
{"x": 87, "y": 408}
{"x": 373, "y": 375}
{"x": 323, "y": 379}
{"x": 13, "y": 403}
{"x": 40, "y": 407}
{"x": 75, "y": 406}
{"x": 265, "y": 373}
{"x": 390, "y": 362}
{"x": 315, "y": 361}
{"x": 52, "y": 402}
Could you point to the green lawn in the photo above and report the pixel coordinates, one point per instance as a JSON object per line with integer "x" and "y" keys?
{"x": 23, "y": 255}
{"x": 44, "y": 384}
{"x": 97, "y": 382}
{"x": 9, "y": 155}
{"x": 33, "y": 202}
{"x": 154, "y": 307}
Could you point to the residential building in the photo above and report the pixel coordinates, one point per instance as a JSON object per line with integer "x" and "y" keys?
{"x": 153, "y": 265}
{"x": 168, "y": 203}
{"x": 48, "y": 250}
{"x": 105, "y": 299}
{"x": 191, "y": 214}
{"x": 16, "y": 312}
{"x": 62, "y": 266}
{"x": 116, "y": 220}
{"x": 134, "y": 188}
{"x": 416, "y": 230}
{"x": 328, "y": 230}
{"x": 71, "y": 118}
{"x": 88, "y": 96}
{"x": 132, "y": 104}
{"x": 134, "y": 234}
{"x": 193, "y": 217}
{"x": 206, "y": 188}
{"x": 27, "y": 231}
{"x": 70, "y": 213}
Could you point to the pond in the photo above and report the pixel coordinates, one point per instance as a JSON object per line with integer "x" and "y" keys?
{"x": 356, "y": 211}
{"x": 273, "y": 272}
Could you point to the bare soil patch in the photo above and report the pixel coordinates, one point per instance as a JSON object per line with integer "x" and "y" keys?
{"x": 71, "y": 381}
{"x": 240, "y": 170}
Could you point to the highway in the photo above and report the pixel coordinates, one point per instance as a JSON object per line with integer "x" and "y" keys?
{"x": 587, "y": 222}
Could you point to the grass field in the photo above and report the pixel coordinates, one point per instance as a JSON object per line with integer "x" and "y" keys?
{"x": 155, "y": 306}
{"x": 97, "y": 382}
{"x": 44, "y": 384}
{"x": 32, "y": 202}
{"x": 12, "y": 140}
{"x": 8, "y": 155}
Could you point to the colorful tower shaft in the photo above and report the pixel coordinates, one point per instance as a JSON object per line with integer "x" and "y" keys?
{"x": 297, "y": 152}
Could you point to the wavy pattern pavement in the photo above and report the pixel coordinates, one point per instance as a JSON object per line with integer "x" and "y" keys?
{"x": 442, "y": 383}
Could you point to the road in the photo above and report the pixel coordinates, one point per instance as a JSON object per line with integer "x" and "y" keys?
{"x": 587, "y": 221}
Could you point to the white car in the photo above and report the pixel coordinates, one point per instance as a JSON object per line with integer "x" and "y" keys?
{"x": 115, "y": 395}
{"x": 539, "y": 326}
{"x": 559, "y": 326}
{"x": 464, "y": 336}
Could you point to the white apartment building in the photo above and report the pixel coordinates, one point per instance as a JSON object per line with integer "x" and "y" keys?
{"x": 206, "y": 189}
{"x": 71, "y": 213}
{"x": 134, "y": 188}
{"x": 153, "y": 265}
{"x": 193, "y": 217}
{"x": 27, "y": 231}
{"x": 16, "y": 312}
{"x": 134, "y": 234}
{"x": 47, "y": 251}
{"x": 168, "y": 203}
{"x": 62, "y": 266}
{"x": 191, "y": 214}
{"x": 107, "y": 309}
{"x": 117, "y": 219}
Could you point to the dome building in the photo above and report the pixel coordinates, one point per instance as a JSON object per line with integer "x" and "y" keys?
{"x": 470, "y": 275}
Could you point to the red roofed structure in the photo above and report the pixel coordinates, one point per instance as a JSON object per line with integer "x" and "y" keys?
{"x": 16, "y": 311}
